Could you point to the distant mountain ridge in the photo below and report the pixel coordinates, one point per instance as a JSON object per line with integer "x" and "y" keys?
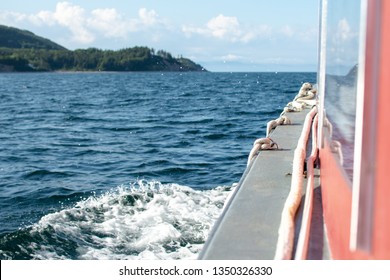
{"x": 23, "y": 51}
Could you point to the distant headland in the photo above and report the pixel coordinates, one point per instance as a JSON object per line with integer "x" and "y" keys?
{"x": 23, "y": 51}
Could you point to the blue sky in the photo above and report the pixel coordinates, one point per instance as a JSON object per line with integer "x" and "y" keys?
{"x": 223, "y": 35}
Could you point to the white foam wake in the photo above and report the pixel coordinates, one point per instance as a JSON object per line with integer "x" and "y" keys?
{"x": 146, "y": 220}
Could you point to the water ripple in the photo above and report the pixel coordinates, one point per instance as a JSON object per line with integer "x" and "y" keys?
{"x": 66, "y": 138}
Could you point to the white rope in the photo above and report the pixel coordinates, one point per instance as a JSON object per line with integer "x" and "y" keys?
{"x": 282, "y": 120}
{"x": 294, "y": 106}
{"x": 311, "y": 94}
{"x": 261, "y": 144}
{"x": 306, "y": 95}
{"x": 304, "y": 92}
{"x": 304, "y": 234}
{"x": 286, "y": 230}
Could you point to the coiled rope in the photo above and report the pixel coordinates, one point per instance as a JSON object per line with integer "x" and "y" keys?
{"x": 305, "y": 93}
{"x": 305, "y": 97}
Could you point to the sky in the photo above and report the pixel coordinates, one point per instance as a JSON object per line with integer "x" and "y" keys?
{"x": 221, "y": 35}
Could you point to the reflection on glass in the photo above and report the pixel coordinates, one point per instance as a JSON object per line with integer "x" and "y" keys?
{"x": 342, "y": 54}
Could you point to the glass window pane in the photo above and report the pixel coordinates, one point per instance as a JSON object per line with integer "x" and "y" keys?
{"x": 342, "y": 55}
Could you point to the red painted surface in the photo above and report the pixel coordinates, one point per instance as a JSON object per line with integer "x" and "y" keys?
{"x": 381, "y": 238}
{"x": 336, "y": 188}
{"x": 336, "y": 200}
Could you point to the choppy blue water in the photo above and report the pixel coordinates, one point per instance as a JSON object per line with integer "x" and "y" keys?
{"x": 126, "y": 165}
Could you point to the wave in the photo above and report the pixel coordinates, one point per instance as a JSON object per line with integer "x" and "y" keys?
{"x": 145, "y": 220}
{"x": 215, "y": 136}
{"x": 43, "y": 173}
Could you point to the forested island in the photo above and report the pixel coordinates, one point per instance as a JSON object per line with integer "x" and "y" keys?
{"x": 23, "y": 51}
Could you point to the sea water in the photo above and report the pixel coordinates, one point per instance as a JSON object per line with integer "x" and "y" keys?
{"x": 126, "y": 165}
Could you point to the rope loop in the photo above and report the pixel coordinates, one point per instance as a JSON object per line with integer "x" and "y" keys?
{"x": 307, "y": 95}
{"x": 282, "y": 120}
{"x": 266, "y": 144}
{"x": 294, "y": 106}
{"x": 306, "y": 92}
{"x": 261, "y": 144}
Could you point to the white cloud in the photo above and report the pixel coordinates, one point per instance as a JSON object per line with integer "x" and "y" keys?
{"x": 189, "y": 30}
{"x": 342, "y": 44}
{"x": 301, "y": 34}
{"x": 44, "y": 18}
{"x": 74, "y": 18}
{"x": 67, "y": 14}
{"x": 227, "y": 28}
{"x": 109, "y": 23}
{"x": 147, "y": 17}
{"x": 222, "y": 26}
{"x": 287, "y": 31}
{"x": 344, "y": 32}
{"x": 86, "y": 26}
{"x": 12, "y": 18}
{"x": 231, "y": 57}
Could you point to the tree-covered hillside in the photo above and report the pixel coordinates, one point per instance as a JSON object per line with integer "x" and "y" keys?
{"x": 23, "y": 51}
{"x": 11, "y": 37}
